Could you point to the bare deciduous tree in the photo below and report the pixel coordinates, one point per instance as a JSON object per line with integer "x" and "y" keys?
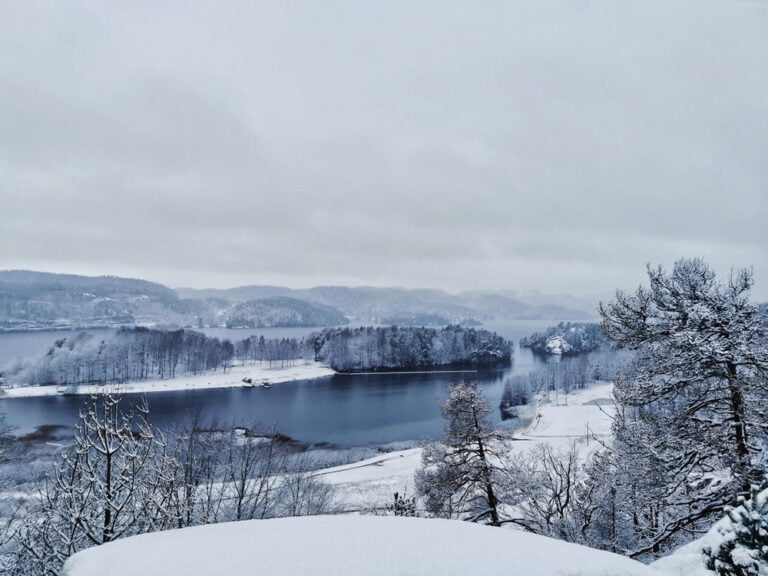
{"x": 114, "y": 482}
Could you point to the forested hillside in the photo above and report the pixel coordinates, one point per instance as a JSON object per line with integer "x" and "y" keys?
{"x": 568, "y": 339}
{"x": 42, "y": 301}
{"x": 282, "y": 311}
{"x": 381, "y": 305}
{"x": 390, "y": 348}
{"x": 37, "y": 300}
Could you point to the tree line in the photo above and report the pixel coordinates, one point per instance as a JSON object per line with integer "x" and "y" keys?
{"x": 368, "y": 348}
{"x": 135, "y": 354}
{"x": 558, "y": 379}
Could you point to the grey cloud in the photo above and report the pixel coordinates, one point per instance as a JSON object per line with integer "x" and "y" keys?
{"x": 520, "y": 145}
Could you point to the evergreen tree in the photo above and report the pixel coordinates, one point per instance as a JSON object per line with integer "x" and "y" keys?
{"x": 693, "y": 401}
{"x": 743, "y": 551}
{"x": 457, "y": 476}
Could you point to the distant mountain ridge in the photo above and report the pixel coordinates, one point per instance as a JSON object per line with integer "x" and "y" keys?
{"x": 43, "y": 301}
{"x": 370, "y": 304}
{"x": 283, "y": 311}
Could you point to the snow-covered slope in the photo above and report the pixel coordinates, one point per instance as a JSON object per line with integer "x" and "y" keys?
{"x": 347, "y": 545}
{"x": 371, "y": 484}
{"x": 688, "y": 560}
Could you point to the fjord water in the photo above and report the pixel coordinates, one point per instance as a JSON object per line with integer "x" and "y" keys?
{"x": 342, "y": 410}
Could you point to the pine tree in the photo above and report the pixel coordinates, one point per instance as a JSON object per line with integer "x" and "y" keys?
{"x": 457, "y": 476}
{"x": 743, "y": 551}
{"x": 693, "y": 401}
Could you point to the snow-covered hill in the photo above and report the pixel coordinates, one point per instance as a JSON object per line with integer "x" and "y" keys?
{"x": 347, "y": 545}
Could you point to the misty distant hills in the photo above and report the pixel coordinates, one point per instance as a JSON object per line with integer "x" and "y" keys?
{"x": 39, "y": 300}
{"x": 282, "y": 311}
{"x": 380, "y": 305}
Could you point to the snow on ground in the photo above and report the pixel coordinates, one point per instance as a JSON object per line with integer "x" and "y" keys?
{"x": 353, "y": 545}
{"x": 233, "y": 377}
{"x": 688, "y": 560}
{"x": 583, "y": 416}
{"x": 372, "y": 483}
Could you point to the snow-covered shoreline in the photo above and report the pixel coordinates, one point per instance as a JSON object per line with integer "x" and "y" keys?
{"x": 233, "y": 378}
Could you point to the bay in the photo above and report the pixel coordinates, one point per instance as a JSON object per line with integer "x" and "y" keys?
{"x": 340, "y": 410}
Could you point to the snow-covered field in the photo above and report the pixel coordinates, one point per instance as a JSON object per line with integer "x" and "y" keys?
{"x": 233, "y": 377}
{"x": 347, "y": 545}
{"x": 584, "y": 415}
{"x": 372, "y": 483}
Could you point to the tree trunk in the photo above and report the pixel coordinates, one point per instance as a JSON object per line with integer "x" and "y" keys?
{"x": 739, "y": 429}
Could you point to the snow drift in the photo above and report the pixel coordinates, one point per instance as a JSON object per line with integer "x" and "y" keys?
{"x": 354, "y": 545}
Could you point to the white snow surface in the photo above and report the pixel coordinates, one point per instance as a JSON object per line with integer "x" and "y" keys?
{"x": 371, "y": 484}
{"x": 688, "y": 560}
{"x": 347, "y": 545}
{"x": 232, "y": 378}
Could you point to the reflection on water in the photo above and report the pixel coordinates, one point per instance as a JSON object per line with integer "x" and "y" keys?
{"x": 345, "y": 410}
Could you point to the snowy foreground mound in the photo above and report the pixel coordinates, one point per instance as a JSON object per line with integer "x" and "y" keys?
{"x": 347, "y": 545}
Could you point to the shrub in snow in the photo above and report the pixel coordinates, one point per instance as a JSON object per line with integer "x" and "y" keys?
{"x": 743, "y": 550}
{"x": 403, "y": 506}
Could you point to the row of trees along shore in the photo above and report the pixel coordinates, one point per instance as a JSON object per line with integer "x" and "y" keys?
{"x": 134, "y": 354}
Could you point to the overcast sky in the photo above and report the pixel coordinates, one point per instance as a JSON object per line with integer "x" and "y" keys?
{"x": 557, "y": 146}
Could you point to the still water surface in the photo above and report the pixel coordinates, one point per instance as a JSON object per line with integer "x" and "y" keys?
{"x": 343, "y": 410}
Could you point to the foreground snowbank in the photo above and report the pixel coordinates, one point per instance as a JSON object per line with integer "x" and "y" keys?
{"x": 688, "y": 560}
{"x": 353, "y": 545}
{"x": 232, "y": 378}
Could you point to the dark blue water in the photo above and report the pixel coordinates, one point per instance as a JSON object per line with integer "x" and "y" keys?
{"x": 344, "y": 410}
